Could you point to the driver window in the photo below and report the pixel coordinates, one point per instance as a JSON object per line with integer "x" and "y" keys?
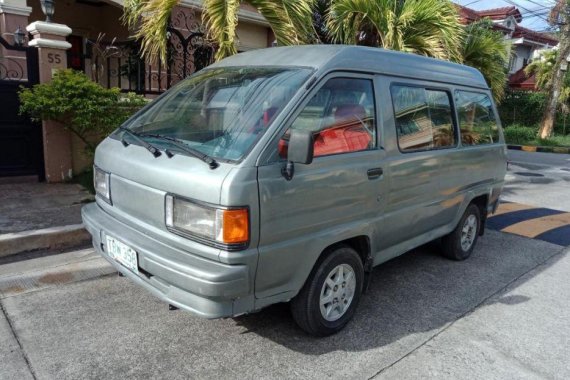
{"x": 341, "y": 116}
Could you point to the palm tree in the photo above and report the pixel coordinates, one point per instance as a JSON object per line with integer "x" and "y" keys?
{"x": 290, "y": 20}
{"x": 559, "y": 17}
{"x": 543, "y": 70}
{"x": 486, "y": 50}
{"x": 426, "y": 27}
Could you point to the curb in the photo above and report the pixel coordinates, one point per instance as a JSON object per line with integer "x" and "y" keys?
{"x": 31, "y": 275}
{"x": 47, "y": 238}
{"x": 541, "y": 149}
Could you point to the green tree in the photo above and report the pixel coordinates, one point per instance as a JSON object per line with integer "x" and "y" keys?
{"x": 87, "y": 109}
{"x": 486, "y": 50}
{"x": 559, "y": 17}
{"x": 425, "y": 27}
{"x": 543, "y": 70}
{"x": 290, "y": 20}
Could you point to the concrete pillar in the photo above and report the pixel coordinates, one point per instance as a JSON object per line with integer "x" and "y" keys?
{"x": 49, "y": 38}
{"x": 12, "y": 14}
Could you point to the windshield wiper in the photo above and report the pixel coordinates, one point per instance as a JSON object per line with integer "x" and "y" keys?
{"x": 152, "y": 149}
{"x": 212, "y": 163}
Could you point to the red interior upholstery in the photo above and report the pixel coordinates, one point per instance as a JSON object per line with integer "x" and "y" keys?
{"x": 346, "y": 135}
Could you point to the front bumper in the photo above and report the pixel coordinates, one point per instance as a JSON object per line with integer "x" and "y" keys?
{"x": 204, "y": 287}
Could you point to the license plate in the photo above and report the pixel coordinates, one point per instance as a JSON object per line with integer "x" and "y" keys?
{"x": 122, "y": 253}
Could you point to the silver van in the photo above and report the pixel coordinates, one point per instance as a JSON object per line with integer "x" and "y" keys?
{"x": 287, "y": 174}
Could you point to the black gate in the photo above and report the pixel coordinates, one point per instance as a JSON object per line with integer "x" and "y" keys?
{"x": 119, "y": 64}
{"x": 21, "y": 150}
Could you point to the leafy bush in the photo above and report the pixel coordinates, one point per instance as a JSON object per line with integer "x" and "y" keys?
{"x": 555, "y": 141}
{"x": 526, "y": 108}
{"x": 519, "y": 134}
{"x": 522, "y": 107}
{"x": 87, "y": 109}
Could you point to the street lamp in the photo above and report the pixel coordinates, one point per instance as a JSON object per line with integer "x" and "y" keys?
{"x": 19, "y": 37}
{"x": 48, "y": 7}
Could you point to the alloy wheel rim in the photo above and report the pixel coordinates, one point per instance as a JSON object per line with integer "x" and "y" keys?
{"x": 337, "y": 292}
{"x": 468, "y": 232}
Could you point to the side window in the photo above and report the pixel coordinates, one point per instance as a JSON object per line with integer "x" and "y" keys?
{"x": 341, "y": 116}
{"x": 423, "y": 118}
{"x": 476, "y": 118}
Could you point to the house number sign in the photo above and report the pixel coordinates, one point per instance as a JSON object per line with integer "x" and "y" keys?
{"x": 54, "y": 58}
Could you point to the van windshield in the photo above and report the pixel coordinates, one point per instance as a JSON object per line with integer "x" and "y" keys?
{"x": 219, "y": 112}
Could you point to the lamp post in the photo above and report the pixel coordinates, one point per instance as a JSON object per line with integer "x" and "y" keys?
{"x": 48, "y": 7}
{"x": 19, "y": 37}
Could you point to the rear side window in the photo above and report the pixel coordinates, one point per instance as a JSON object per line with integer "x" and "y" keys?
{"x": 341, "y": 116}
{"x": 423, "y": 118}
{"x": 477, "y": 121}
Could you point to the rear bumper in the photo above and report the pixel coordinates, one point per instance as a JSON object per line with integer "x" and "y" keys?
{"x": 204, "y": 287}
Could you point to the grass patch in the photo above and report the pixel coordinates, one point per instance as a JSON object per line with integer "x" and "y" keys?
{"x": 85, "y": 179}
{"x": 522, "y": 135}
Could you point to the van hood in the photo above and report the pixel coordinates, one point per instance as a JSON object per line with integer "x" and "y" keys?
{"x": 140, "y": 181}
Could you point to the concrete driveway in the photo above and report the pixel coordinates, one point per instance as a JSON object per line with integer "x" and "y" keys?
{"x": 501, "y": 314}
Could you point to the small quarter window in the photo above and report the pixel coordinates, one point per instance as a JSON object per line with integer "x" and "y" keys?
{"x": 341, "y": 116}
{"x": 423, "y": 118}
{"x": 477, "y": 121}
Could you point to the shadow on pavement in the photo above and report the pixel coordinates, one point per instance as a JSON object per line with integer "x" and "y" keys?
{"x": 417, "y": 292}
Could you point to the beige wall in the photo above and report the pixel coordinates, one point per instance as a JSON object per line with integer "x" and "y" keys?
{"x": 252, "y": 36}
{"x": 14, "y": 61}
{"x": 85, "y": 20}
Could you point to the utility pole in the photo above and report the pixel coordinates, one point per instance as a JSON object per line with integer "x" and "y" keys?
{"x": 560, "y": 15}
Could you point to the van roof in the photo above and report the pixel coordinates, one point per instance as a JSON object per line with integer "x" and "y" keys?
{"x": 349, "y": 57}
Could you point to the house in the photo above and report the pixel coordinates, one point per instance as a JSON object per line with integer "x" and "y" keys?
{"x": 101, "y": 47}
{"x": 526, "y": 44}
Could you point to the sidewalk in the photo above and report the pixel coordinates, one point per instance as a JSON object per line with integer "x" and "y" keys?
{"x": 41, "y": 216}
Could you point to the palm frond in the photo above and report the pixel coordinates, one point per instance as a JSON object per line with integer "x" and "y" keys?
{"x": 425, "y": 27}
{"x": 276, "y": 15}
{"x": 149, "y": 19}
{"x": 221, "y": 18}
{"x": 300, "y": 15}
{"x": 349, "y": 20}
{"x": 487, "y": 51}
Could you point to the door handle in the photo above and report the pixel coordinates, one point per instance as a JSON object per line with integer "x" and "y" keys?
{"x": 375, "y": 173}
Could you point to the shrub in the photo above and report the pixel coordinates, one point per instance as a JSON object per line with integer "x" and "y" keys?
{"x": 522, "y": 107}
{"x": 80, "y": 105}
{"x": 519, "y": 134}
{"x": 527, "y": 108}
{"x": 555, "y": 141}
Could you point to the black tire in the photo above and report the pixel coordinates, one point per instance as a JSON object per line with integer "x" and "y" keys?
{"x": 305, "y": 306}
{"x": 451, "y": 243}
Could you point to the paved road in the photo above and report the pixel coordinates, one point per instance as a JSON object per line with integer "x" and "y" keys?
{"x": 502, "y": 314}
{"x": 546, "y": 159}
{"x": 539, "y": 179}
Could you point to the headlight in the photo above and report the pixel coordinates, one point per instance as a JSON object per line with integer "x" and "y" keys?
{"x": 102, "y": 184}
{"x": 228, "y": 228}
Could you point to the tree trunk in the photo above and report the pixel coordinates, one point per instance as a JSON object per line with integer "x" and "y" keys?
{"x": 549, "y": 116}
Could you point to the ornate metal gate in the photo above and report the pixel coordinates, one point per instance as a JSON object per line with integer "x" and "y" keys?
{"x": 21, "y": 151}
{"x": 118, "y": 64}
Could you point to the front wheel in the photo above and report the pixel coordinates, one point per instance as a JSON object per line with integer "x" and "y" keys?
{"x": 459, "y": 244}
{"x": 329, "y": 298}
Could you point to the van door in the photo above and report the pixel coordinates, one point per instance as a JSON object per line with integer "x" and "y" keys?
{"x": 335, "y": 197}
{"x": 421, "y": 133}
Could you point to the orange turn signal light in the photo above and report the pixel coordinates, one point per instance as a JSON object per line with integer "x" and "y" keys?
{"x": 235, "y": 226}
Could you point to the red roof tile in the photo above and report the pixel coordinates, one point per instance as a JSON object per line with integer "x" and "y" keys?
{"x": 534, "y": 36}
{"x": 521, "y": 81}
{"x": 501, "y": 13}
{"x": 467, "y": 15}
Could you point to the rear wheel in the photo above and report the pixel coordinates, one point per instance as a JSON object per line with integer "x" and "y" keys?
{"x": 329, "y": 298}
{"x": 459, "y": 244}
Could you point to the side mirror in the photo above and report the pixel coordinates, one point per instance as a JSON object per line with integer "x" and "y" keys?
{"x": 301, "y": 145}
{"x": 299, "y": 150}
